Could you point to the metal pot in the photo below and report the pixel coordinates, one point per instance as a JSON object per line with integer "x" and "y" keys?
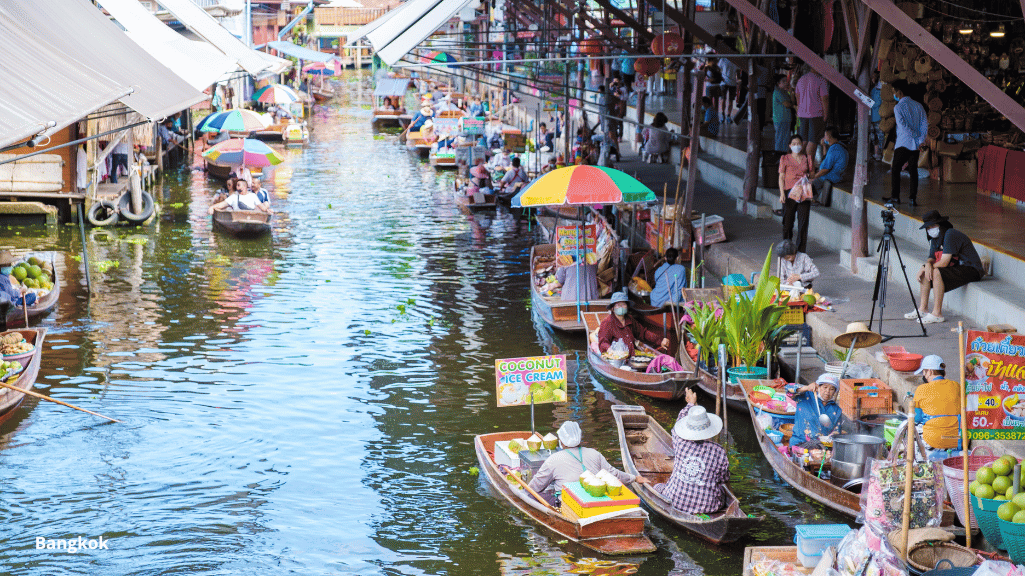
{"x": 875, "y": 424}
{"x": 640, "y": 363}
{"x": 843, "y": 472}
{"x": 856, "y": 448}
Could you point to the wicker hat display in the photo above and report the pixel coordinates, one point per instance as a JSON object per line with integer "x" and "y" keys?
{"x": 934, "y": 118}
{"x": 923, "y": 65}
{"x": 935, "y": 104}
{"x": 886, "y": 108}
{"x": 886, "y": 92}
{"x": 888, "y": 123}
{"x": 934, "y": 132}
{"x": 860, "y": 331}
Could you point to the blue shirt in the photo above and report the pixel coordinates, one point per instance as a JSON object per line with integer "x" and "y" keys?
{"x": 418, "y": 122}
{"x": 669, "y": 279}
{"x": 806, "y": 421}
{"x": 476, "y": 109}
{"x": 836, "y": 162}
{"x": 878, "y": 97}
{"x": 912, "y": 124}
{"x": 780, "y": 113}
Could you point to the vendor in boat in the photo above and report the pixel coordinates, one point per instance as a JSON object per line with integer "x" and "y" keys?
{"x": 569, "y": 463}
{"x": 670, "y": 279}
{"x": 937, "y": 406}
{"x": 515, "y": 175}
{"x": 8, "y": 293}
{"x": 813, "y": 399}
{"x": 425, "y": 114}
{"x": 480, "y": 175}
{"x": 795, "y": 268}
{"x": 620, "y": 326}
{"x": 242, "y": 199}
{"x": 700, "y": 466}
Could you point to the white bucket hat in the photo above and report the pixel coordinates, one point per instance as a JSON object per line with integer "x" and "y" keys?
{"x": 698, "y": 424}
{"x": 931, "y": 362}
{"x": 569, "y": 434}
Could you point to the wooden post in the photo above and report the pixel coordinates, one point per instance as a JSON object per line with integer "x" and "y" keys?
{"x": 859, "y": 215}
{"x": 754, "y": 137}
{"x": 964, "y": 434}
{"x": 698, "y": 84}
{"x": 909, "y": 476}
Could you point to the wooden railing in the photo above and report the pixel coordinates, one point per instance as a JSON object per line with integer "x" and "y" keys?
{"x": 348, "y": 16}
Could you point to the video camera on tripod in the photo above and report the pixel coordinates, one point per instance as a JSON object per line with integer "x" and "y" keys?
{"x": 888, "y": 241}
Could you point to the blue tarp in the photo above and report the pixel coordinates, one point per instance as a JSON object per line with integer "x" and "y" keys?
{"x": 299, "y": 52}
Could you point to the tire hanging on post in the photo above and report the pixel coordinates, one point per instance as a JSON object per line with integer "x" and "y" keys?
{"x": 102, "y": 213}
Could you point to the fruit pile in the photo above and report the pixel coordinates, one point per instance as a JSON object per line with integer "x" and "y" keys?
{"x": 33, "y": 274}
{"x": 9, "y": 368}
{"x": 996, "y": 482}
{"x": 13, "y": 343}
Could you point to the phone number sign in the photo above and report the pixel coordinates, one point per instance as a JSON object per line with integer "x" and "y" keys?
{"x": 995, "y": 385}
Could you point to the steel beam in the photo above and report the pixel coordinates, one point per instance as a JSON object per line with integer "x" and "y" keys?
{"x": 702, "y": 34}
{"x": 806, "y": 54}
{"x": 948, "y": 59}
{"x": 630, "y": 21}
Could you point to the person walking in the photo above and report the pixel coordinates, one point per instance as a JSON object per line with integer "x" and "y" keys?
{"x": 795, "y": 192}
{"x": 912, "y": 127}
{"x": 782, "y": 113}
{"x": 812, "y": 93}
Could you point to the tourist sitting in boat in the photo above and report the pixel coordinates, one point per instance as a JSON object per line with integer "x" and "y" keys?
{"x": 515, "y": 176}
{"x": 568, "y": 464}
{"x": 261, "y": 195}
{"x": 479, "y": 174}
{"x": 227, "y": 190}
{"x": 620, "y": 326}
{"x": 937, "y": 406}
{"x": 242, "y": 199}
{"x": 670, "y": 279}
{"x": 8, "y": 293}
{"x": 700, "y": 466}
{"x": 814, "y": 399}
{"x": 795, "y": 268}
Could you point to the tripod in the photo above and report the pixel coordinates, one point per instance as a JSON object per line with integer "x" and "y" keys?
{"x": 882, "y": 273}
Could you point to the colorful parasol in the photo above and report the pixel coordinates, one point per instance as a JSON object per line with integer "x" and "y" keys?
{"x": 237, "y": 120}
{"x": 243, "y": 152}
{"x": 321, "y": 68}
{"x": 581, "y": 185}
{"x": 436, "y": 57}
{"x": 275, "y": 94}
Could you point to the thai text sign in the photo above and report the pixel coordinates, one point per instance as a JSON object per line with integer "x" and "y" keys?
{"x": 567, "y": 239}
{"x": 517, "y": 379}
{"x": 995, "y": 386}
{"x": 473, "y": 126}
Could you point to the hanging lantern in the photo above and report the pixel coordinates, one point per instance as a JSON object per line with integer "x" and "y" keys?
{"x": 669, "y": 44}
{"x": 647, "y": 66}
{"x": 590, "y": 47}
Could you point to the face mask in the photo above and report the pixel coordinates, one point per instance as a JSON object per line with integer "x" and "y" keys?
{"x": 934, "y": 232}
{"x": 6, "y": 269}
{"x": 796, "y": 148}
{"x": 620, "y": 311}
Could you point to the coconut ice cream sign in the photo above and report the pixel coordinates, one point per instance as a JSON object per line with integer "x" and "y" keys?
{"x": 540, "y": 377}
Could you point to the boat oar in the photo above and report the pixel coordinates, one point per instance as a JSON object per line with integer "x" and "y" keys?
{"x": 505, "y": 469}
{"x": 55, "y": 401}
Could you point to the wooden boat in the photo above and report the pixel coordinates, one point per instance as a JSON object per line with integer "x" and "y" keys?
{"x": 619, "y": 535}
{"x": 444, "y": 162}
{"x": 10, "y": 399}
{"x": 219, "y": 171}
{"x": 835, "y": 497}
{"x": 478, "y": 201}
{"x": 647, "y": 449}
{"x": 414, "y": 143}
{"x": 709, "y": 383}
{"x": 664, "y": 386}
{"x": 387, "y": 117}
{"x": 41, "y": 307}
{"x": 786, "y": 554}
{"x": 556, "y": 312}
{"x": 243, "y": 223}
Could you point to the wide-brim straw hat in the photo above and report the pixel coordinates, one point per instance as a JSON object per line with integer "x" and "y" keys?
{"x": 865, "y": 336}
{"x": 698, "y": 425}
{"x": 6, "y": 258}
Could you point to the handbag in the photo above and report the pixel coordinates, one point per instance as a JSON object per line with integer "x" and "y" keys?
{"x": 882, "y": 499}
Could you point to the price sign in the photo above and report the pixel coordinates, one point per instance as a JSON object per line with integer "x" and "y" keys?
{"x": 995, "y": 385}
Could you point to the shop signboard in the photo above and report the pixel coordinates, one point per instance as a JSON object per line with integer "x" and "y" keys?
{"x": 463, "y": 155}
{"x": 530, "y": 380}
{"x": 473, "y": 126}
{"x": 567, "y": 238}
{"x": 995, "y": 385}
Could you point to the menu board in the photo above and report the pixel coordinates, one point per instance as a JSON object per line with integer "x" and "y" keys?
{"x": 541, "y": 377}
{"x": 567, "y": 239}
{"x": 995, "y": 385}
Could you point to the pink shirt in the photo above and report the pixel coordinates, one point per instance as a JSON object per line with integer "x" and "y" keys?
{"x": 811, "y": 88}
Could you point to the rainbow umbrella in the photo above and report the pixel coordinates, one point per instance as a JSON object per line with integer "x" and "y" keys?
{"x": 581, "y": 185}
{"x": 243, "y": 152}
{"x": 275, "y": 94}
{"x": 321, "y": 68}
{"x": 436, "y": 57}
{"x": 237, "y": 120}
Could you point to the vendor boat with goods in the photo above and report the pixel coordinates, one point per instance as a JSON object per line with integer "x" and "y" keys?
{"x": 607, "y": 524}
{"x": 39, "y": 278}
{"x": 647, "y": 449}
{"x": 22, "y": 353}
{"x": 389, "y": 102}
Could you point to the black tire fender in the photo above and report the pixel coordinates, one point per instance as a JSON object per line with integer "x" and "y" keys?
{"x": 102, "y": 213}
{"x": 124, "y": 205}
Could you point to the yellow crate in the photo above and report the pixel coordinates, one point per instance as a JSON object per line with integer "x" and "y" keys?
{"x": 792, "y": 315}
{"x": 574, "y": 500}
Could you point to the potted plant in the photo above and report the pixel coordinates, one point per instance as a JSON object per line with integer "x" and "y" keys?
{"x": 747, "y": 323}
{"x": 705, "y": 329}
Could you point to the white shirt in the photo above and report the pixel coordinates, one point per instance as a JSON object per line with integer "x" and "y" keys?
{"x": 912, "y": 124}
{"x": 247, "y": 201}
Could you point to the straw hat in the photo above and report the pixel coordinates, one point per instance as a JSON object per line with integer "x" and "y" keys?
{"x": 6, "y": 258}
{"x": 698, "y": 424}
{"x": 859, "y": 330}
{"x": 427, "y": 111}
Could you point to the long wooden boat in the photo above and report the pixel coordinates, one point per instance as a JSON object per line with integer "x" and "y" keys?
{"x": 243, "y": 223}
{"x": 664, "y": 386}
{"x": 414, "y": 143}
{"x": 219, "y": 171}
{"x": 41, "y": 307}
{"x": 619, "y": 535}
{"x": 709, "y": 383}
{"x": 437, "y": 162}
{"x": 385, "y": 117}
{"x": 556, "y": 312}
{"x": 787, "y": 554}
{"x": 10, "y": 399}
{"x": 823, "y": 491}
{"x": 489, "y": 201}
{"x": 647, "y": 449}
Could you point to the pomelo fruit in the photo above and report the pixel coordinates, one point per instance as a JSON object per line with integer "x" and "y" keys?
{"x": 31, "y": 283}
{"x": 1001, "y": 467}
{"x": 1019, "y": 499}
{"x": 33, "y": 261}
{"x": 1010, "y": 458}
{"x": 809, "y": 299}
{"x": 985, "y": 491}
{"x": 1019, "y": 518}
{"x": 1000, "y": 497}
{"x": 1001, "y": 484}
{"x": 1007, "y": 511}
{"x": 20, "y": 272}
{"x": 34, "y": 271}
{"x": 985, "y": 475}
{"x": 973, "y": 486}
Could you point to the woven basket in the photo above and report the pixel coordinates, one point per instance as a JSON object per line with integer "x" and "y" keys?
{"x": 924, "y": 556}
{"x": 985, "y": 511}
{"x": 954, "y": 479}
{"x": 788, "y": 431}
{"x": 1014, "y": 538}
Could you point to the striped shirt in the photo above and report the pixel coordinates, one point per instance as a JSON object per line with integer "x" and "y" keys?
{"x": 912, "y": 124}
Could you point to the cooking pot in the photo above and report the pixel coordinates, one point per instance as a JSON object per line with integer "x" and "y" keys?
{"x": 843, "y": 472}
{"x": 640, "y": 363}
{"x": 856, "y": 448}
{"x": 875, "y": 424}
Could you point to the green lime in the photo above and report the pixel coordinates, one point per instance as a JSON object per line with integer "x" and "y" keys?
{"x": 1002, "y": 467}
{"x": 1007, "y": 511}
{"x": 985, "y": 475}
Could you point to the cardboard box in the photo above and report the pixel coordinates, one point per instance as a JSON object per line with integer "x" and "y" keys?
{"x": 960, "y": 171}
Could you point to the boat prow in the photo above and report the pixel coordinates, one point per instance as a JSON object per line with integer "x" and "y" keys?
{"x": 11, "y": 399}
{"x": 243, "y": 223}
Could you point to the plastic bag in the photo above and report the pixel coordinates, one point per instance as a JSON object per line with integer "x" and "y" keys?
{"x": 618, "y": 350}
{"x": 802, "y": 190}
{"x": 882, "y": 495}
{"x": 997, "y": 568}
{"x": 864, "y": 552}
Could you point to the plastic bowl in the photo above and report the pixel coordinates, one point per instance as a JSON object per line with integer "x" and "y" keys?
{"x": 1010, "y": 415}
{"x": 905, "y": 362}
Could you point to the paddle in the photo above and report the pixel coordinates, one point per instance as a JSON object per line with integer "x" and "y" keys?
{"x": 38, "y": 395}
{"x": 505, "y": 470}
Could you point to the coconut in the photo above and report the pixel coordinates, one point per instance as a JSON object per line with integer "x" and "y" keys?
{"x": 595, "y": 487}
{"x": 586, "y": 476}
{"x": 551, "y": 441}
{"x": 534, "y": 443}
{"x": 516, "y": 445}
{"x": 614, "y": 487}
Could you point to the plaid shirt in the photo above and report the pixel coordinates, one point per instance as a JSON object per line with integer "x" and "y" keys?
{"x": 700, "y": 470}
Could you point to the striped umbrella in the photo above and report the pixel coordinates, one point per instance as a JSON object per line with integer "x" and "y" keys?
{"x": 436, "y": 57}
{"x": 582, "y": 185}
{"x": 321, "y": 68}
{"x": 243, "y": 152}
{"x": 237, "y": 120}
{"x": 275, "y": 94}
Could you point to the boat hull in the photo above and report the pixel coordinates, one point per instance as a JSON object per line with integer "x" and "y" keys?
{"x": 560, "y": 314}
{"x": 709, "y": 383}
{"x": 243, "y": 223}
{"x": 42, "y": 307}
{"x": 11, "y": 399}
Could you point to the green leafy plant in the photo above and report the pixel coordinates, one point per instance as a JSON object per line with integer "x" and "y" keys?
{"x": 748, "y": 321}
{"x": 706, "y": 330}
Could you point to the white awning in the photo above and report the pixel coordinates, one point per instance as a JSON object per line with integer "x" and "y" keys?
{"x": 204, "y": 25}
{"x": 78, "y": 29}
{"x": 274, "y": 64}
{"x": 361, "y": 32}
{"x": 407, "y": 16}
{"x": 300, "y": 52}
{"x": 392, "y": 86}
{"x": 405, "y": 39}
{"x": 198, "y": 63}
{"x": 44, "y": 89}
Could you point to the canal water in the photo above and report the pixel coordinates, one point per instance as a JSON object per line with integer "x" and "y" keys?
{"x": 306, "y": 404}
